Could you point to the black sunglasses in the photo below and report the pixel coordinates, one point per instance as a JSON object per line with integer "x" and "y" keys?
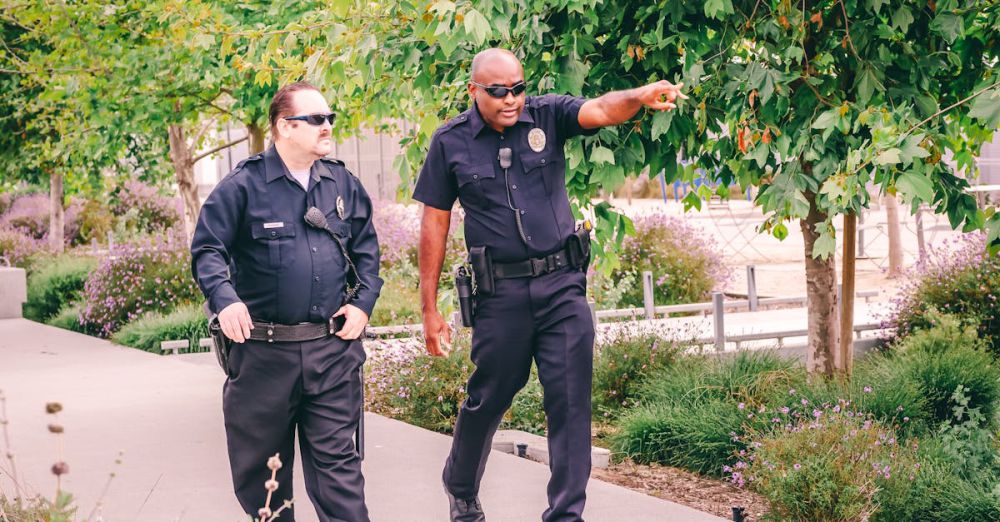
{"x": 314, "y": 119}
{"x": 499, "y": 91}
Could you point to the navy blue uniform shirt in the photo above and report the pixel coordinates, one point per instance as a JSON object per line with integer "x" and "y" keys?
{"x": 463, "y": 163}
{"x": 252, "y": 243}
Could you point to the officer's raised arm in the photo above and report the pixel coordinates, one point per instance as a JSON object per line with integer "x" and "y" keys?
{"x": 213, "y": 238}
{"x": 619, "y": 106}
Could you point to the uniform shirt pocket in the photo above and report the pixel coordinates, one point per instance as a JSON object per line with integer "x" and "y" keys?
{"x": 543, "y": 168}
{"x": 277, "y": 236}
{"x": 474, "y": 183}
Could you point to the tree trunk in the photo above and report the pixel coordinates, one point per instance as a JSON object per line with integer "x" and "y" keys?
{"x": 822, "y": 354}
{"x": 256, "y": 133}
{"x": 847, "y": 310}
{"x": 56, "y": 215}
{"x": 182, "y": 158}
{"x": 895, "y": 242}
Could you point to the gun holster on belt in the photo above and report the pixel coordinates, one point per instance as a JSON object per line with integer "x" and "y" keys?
{"x": 220, "y": 342}
{"x": 482, "y": 269}
{"x": 578, "y": 247}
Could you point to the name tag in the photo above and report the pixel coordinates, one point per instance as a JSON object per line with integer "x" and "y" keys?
{"x": 276, "y": 224}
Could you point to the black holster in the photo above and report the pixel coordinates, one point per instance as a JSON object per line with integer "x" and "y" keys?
{"x": 482, "y": 270}
{"x": 463, "y": 287}
{"x": 220, "y": 342}
{"x": 578, "y": 248}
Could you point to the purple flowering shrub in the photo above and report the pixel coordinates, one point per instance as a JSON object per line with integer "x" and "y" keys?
{"x": 19, "y": 249}
{"x": 621, "y": 364}
{"x": 398, "y": 228}
{"x": 151, "y": 275}
{"x": 29, "y": 214}
{"x": 829, "y": 466}
{"x": 144, "y": 209}
{"x": 961, "y": 278}
{"x": 686, "y": 263}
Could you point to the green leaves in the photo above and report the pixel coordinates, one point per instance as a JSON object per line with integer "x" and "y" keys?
{"x": 986, "y": 108}
{"x": 949, "y": 25}
{"x": 477, "y": 26}
{"x": 912, "y": 186}
{"x": 888, "y": 157}
{"x": 601, "y": 154}
{"x": 717, "y": 8}
{"x": 661, "y": 123}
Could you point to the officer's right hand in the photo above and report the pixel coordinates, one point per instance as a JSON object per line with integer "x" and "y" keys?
{"x": 437, "y": 335}
{"x": 235, "y": 322}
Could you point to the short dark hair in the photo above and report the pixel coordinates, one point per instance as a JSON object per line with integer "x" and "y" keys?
{"x": 281, "y": 104}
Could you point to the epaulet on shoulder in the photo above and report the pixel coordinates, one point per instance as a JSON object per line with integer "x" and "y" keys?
{"x": 241, "y": 165}
{"x": 333, "y": 161}
{"x": 454, "y": 122}
{"x": 255, "y": 157}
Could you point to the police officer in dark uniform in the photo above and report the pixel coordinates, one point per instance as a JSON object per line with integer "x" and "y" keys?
{"x": 286, "y": 254}
{"x": 503, "y": 160}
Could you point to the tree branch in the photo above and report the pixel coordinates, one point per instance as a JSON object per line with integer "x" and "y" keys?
{"x": 847, "y": 28}
{"x": 217, "y": 149}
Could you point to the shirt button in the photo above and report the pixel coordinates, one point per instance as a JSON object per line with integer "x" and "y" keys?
{"x": 314, "y": 249}
{"x": 475, "y": 176}
{"x": 315, "y": 307}
{"x": 316, "y": 278}
{"x": 543, "y": 161}
{"x": 528, "y": 238}
{"x": 501, "y": 138}
{"x": 522, "y": 212}
{"x": 274, "y": 234}
{"x": 514, "y": 187}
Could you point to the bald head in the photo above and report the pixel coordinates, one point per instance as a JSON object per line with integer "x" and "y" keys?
{"x": 493, "y": 59}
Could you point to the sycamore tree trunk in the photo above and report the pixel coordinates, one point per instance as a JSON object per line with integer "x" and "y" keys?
{"x": 56, "y": 215}
{"x": 895, "y": 241}
{"x": 256, "y": 134}
{"x": 822, "y": 356}
{"x": 182, "y": 158}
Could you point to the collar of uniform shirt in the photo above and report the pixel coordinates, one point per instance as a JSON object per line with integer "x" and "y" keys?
{"x": 274, "y": 168}
{"x": 478, "y": 124}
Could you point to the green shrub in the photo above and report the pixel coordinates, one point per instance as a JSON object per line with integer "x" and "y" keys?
{"x": 68, "y": 319}
{"x": 527, "y": 411}
{"x": 399, "y": 302}
{"x": 146, "y": 333}
{"x": 963, "y": 281}
{"x": 685, "y": 262}
{"x": 827, "y": 468}
{"x": 945, "y": 356}
{"x": 52, "y": 286}
{"x": 622, "y": 363}
{"x": 430, "y": 392}
{"x": 701, "y": 436}
{"x": 754, "y": 378}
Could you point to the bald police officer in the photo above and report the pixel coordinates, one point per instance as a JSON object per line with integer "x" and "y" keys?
{"x": 503, "y": 160}
{"x": 294, "y": 293}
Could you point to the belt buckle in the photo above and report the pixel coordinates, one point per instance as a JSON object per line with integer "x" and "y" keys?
{"x": 331, "y": 326}
{"x": 537, "y": 267}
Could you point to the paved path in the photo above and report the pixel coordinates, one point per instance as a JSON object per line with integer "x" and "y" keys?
{"x": 165, "y": 414}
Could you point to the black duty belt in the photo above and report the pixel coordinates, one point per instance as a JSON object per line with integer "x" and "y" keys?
{"x": 292, "y": 333}
{"x": 533, "y": 267}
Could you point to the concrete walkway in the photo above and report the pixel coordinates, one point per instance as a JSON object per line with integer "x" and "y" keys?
{"x": 165, "y": 414}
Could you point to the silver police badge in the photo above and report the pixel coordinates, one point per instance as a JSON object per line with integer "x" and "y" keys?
{"x": 536, "y": 139}
{"x": 340, "y": 207}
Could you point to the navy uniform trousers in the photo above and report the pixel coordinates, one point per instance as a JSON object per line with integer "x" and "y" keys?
{"x": 314, "y": 386}
{"x": 547, "y": 319}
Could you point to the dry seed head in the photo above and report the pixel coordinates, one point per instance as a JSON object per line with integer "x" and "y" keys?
{"x": 55, "y": 428}
{"x": 274, "y": 463}
{"x": 264, "y": 512}
{"x": 271, "y": 485}
{"x": 60, "y": 468}
{"x": 53, "y": 407}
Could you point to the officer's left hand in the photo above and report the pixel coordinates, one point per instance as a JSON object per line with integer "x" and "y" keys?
{"x": 356, "y": 320}
{"x": 661, "y": 95}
